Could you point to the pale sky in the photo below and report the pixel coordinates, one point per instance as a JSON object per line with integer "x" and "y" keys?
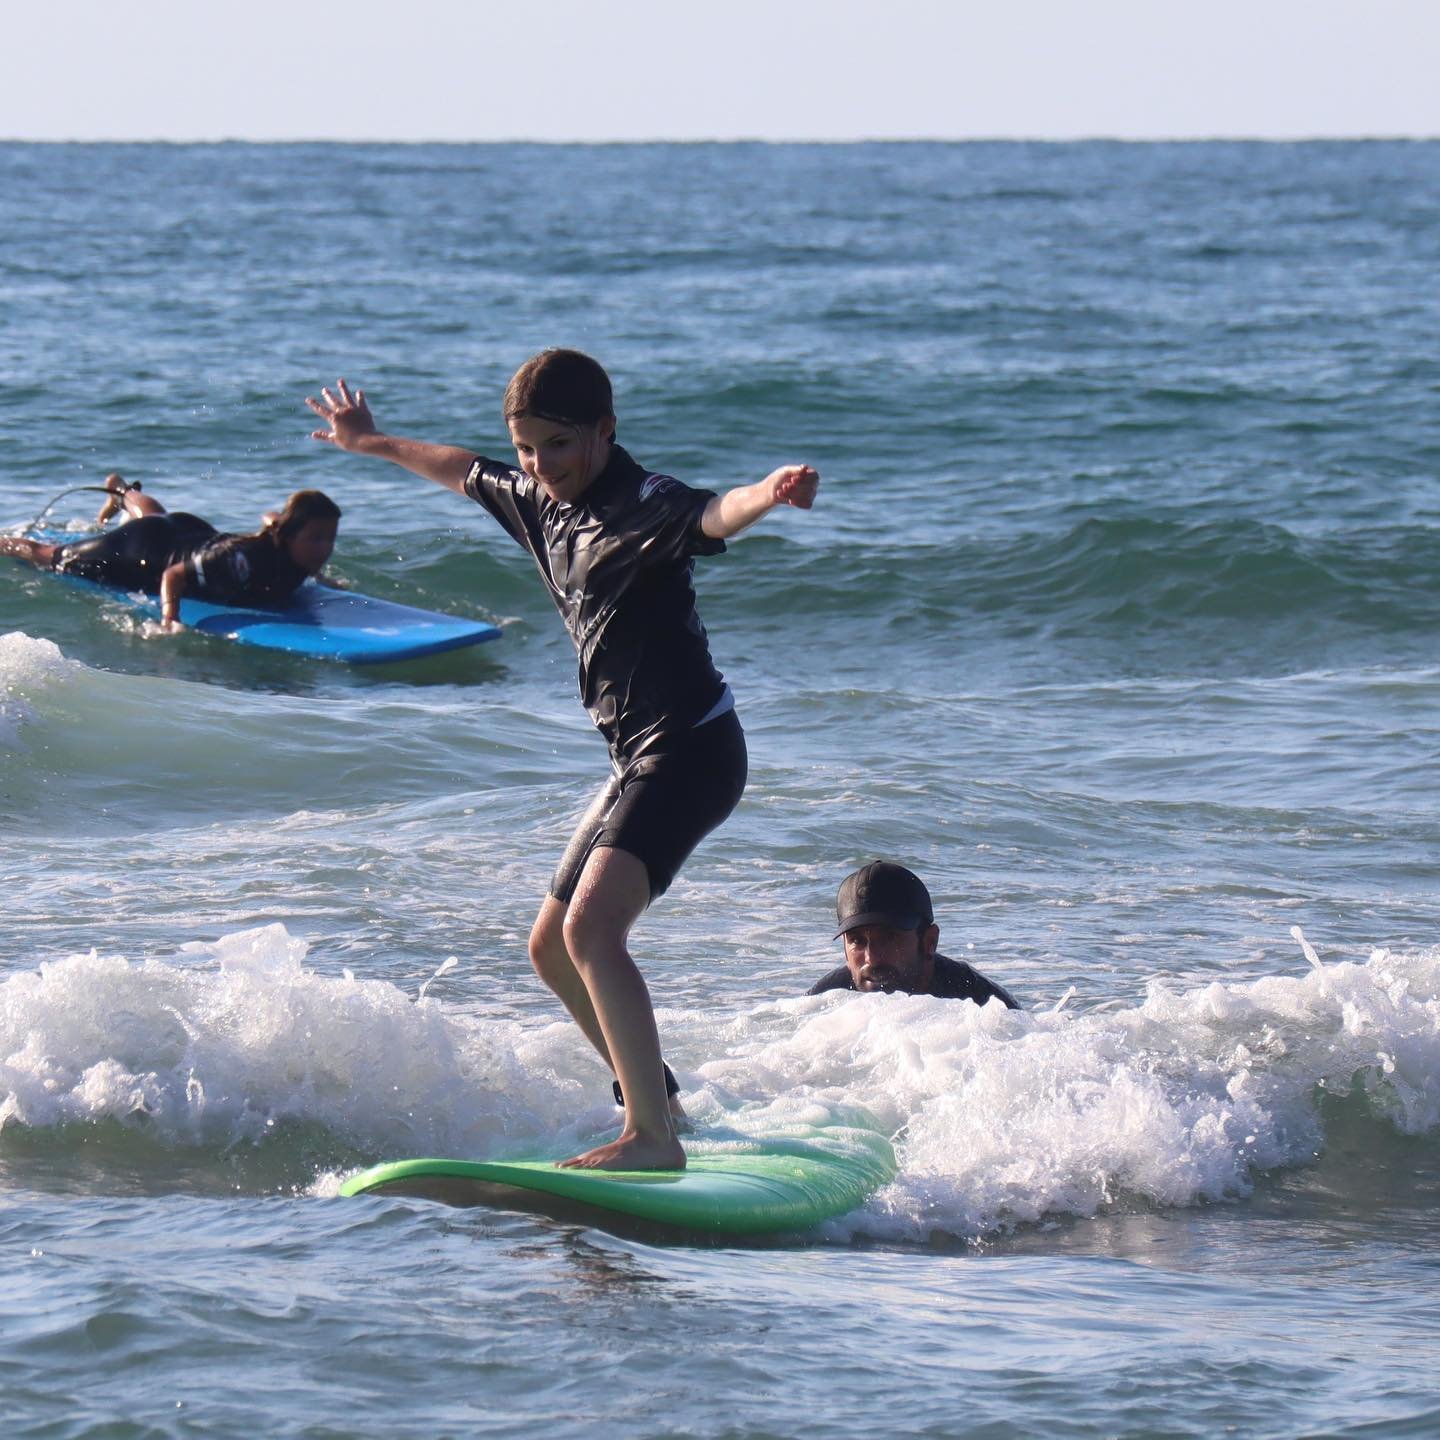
{"x": 720, "y": 69}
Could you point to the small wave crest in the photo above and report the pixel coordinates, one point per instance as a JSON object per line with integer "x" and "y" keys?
{"x": 1000, "y": 1118}
{"x": 241, "y": 1037}
{"x": 28, "y": 666}
{"x": 1207, "y": 589}
{"x": 75, "y": 739}
{"x": 1005, "y": 1118}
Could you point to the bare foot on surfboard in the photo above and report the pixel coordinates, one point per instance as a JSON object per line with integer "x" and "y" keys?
{"x": 630, "y": 1152}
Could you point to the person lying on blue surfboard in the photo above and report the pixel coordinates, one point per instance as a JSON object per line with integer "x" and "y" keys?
{"x": 884, "y": 915}
{"x": 615, "y": 546}
{"x": 172, "y": 555}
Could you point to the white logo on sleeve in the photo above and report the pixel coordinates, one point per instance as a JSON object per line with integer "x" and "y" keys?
{"x": 654, "y": 484}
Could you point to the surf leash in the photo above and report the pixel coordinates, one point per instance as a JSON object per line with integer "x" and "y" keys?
{"x": 73, "y": 490}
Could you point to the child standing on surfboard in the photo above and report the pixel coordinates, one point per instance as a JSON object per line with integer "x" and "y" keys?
{"x": 615, "y": 546}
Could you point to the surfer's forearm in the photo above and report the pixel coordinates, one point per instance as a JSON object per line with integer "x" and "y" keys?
{"x": 351, "y": 426}
{"x": 446, "y": 465}
{"x": 737, "y": 509}
{"x": 172, "y": 587}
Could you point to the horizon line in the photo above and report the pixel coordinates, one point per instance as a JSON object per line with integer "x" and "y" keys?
{"x": 996, "y": 139}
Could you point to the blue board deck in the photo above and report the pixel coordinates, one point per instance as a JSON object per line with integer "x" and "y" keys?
{"x": 327, "y": 624}
{"x": 322, "y": 623}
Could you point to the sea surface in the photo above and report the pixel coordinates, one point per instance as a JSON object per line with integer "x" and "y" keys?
{"x": 1118, "y": 619}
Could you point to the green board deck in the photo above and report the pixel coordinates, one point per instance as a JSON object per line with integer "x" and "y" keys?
{"x": 751, "y": 1188}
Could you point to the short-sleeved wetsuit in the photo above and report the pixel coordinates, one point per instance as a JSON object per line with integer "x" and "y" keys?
{"x": 228, "y": 569}
{"x": 954, "y": 980}
{"x": 618, "y": 563}
{"x": 243, "y": 570}
{"x": 135, "y": 555}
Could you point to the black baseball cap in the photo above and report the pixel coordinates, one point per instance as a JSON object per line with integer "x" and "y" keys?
{"x": 882, "y": 893}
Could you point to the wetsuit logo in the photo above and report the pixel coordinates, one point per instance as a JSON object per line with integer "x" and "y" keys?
{"x": 654, "y": 484}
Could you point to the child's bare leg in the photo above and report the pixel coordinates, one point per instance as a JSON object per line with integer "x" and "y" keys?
{"x": 552, "y": 962}
{"x": 613, "y": 891}
{"x": 554, "y": 966}
{"x": 131, "y": 499}
{"x": 37, "y": 552}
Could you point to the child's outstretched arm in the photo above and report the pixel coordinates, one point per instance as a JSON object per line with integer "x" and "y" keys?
{"x": 730, "y": 513}
{"x": 352, "y": 427}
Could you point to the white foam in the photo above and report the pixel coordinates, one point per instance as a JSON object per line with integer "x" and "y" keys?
{"x": 220, "y": 1051}
{"x": 1004, "y": 1117}
{"x": 27, "y": 667}
{"x": 999, "y": 1117}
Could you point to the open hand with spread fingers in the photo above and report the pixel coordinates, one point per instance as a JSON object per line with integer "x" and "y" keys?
{"x": 346, "y": 415}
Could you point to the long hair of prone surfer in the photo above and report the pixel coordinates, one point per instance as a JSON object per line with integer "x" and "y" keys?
{"x": 300, "y": 509}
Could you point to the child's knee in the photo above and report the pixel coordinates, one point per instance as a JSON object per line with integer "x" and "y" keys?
{"x": 589, "y": 936}
{"x": 547, "y": 944}
{"x": 574, "y": 932}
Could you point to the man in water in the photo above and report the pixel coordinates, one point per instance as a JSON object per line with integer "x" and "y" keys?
{"x": 883, "y": 913}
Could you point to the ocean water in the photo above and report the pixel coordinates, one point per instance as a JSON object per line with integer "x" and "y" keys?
{"x": 1118, "y": 619}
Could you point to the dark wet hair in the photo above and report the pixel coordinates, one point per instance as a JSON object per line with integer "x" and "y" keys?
{"x": 300, "y": 509}
{"x": 562, "y": 385}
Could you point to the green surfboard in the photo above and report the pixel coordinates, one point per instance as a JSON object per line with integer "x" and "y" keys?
{"x": 758, "y": 1187}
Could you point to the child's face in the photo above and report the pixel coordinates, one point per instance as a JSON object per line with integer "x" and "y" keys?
{"x": 561, "y": 458}
{"x": 310, "y": 546}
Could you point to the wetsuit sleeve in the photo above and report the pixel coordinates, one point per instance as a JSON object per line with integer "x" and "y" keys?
{"x": 220, "y": 571}
{"x": 955, "y": 980}
{"x": 1000, "y": 993}
{"x": 837, "y": 979}
{"x": 671, "y": 514}
{"x": 494, "y": 486}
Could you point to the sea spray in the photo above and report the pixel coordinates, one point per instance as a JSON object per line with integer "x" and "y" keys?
{"x": 1000, "y": 1117}
{"x": 213, "y": 1053}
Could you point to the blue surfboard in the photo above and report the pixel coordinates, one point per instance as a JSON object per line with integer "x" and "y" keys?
{"x": 328, "y": 624}
{"x": 321, "y": 623}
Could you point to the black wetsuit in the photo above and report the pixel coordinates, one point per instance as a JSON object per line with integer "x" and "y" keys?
{"x": 618, "y": 564}
{"x": 243, "y": 570}
{"x": 134, "y": 556}
{"x": 228, "y": 569}
{"x": 954, "y": 980}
